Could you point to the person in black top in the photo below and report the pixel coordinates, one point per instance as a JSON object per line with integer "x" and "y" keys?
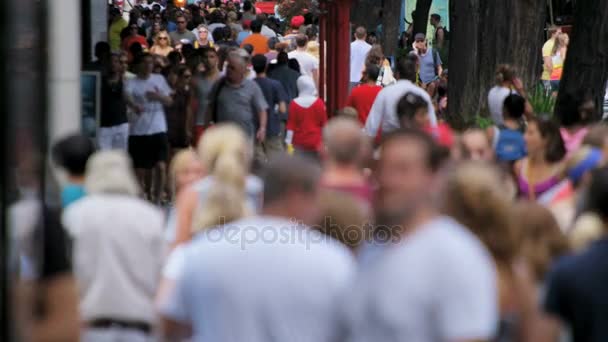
{"x": 576, "y": 285}
{"x": 114, "y": 130}
{"x": 286, "y": 76}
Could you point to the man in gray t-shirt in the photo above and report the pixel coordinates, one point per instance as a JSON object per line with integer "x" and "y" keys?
{"x": 182, "y": 32}
{"x": 236, "y": 99}
{"x": 430, "y": 62}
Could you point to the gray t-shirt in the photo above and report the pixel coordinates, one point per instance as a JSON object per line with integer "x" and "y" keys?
{"x": 427, "y": 66}
{"x": 176, "y": 37}
{"x": 203, "y": 91}
{"x": 239, "y": 104}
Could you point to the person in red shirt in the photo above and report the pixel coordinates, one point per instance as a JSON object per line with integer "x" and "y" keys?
{"x": 362, "y": 97}
{"x": 134, "y": 37}
{"x": 307, "y": 116}
{"x": 412, "y": 111}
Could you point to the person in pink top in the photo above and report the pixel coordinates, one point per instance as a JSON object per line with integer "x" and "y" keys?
{"x": 574, "y": 113}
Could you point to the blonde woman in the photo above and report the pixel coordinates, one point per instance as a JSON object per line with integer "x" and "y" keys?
{"x": 475, "y": 195}
{"x": 162, "y": 44}
{"x": 227, "y": 192}
{"x": 376, "y": 57}
{"x": 558, "y": 58}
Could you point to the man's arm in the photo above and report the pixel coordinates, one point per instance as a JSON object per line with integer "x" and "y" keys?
{"x": 519, "y": 88}
{"x": 263, "y": 119}
{"x": 440, "y": 37}
{"x": 375, "y": 117}
{"x": 548, "y": 63}
{"x": 315, "y": 77}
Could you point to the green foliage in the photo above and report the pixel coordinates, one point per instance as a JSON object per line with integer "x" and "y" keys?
{"x": 542, "y": 102}
{"x": 483, "y": 122}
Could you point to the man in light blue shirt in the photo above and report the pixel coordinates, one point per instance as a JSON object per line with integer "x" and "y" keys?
{"x": 430, "y": 62}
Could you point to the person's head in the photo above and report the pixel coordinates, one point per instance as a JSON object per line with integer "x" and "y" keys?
{"x": 115, "y": 14}
{"x": 409, "y": 161}
{"x": 576, "y": 108}
{"x": 294, "y": 65}
{"x": 342, "y": 218}
{"x": 477, "y": 145}
{"x": 259, "y": 63}
{"x": 301, "y": 41}
{"x": 218, "y": 35}
{"x": 110, "y": 172}
{"x": 124, "y": 61}
{"x": 343, "y": 141}
{"x": 306, "y": 86}
{"x": 538, "y": 236}
{"x": 181, "y": 22}
{"x": 232, "y": 17}
{"x": 371, "y": 73}
{"x": 297, "y": 21}
{"x": 406, "y": 69}
{"x": 504, "y": 74}
{"x": 174, "y": 58}
{"x": 412, "y": 111}
{"x": 203, "y": 33}
{"x": 554, "y": 31}
{"x": 514, "y": 107}
{"x": 249, "y": 49}
{"x": 561, "y": 40}
{"x": 272, "y": 43}
{"x": 312, "y": 33}
{"x": 184, "y": 75}
{"x": 598, "y": 137}
{"x": 435, "y": 19}
{"x": 157, "y": 18}
{"x": 247, "y": 6}
{"x": 144, "y": 65}
{"x": 256, "y": 26}
{"x": 236, "y": 68}
{"x": 156, "y": 28}
{"x": 185, "y": 169}
{"x": 597, "y": 195}
{"x": 291, "y": 188}
{"x": 72, "y": 153}
{"x": 372, "y": 39}
{"x": 420, "y": 42}
{"x": 227, "y": 32}
{"x": 543, "y": 138}
{"x": 133, "y": 29}
{"x": 375, "y": 55}
{"x": 102, "y": 51}
{"x": 282, "y": 58}
{"x": 162, "y": 39}
{"x": 360, "y": 33}
{"x": 116, "y": 67}
{"x": 473, "y": 194}
{"x": 211, "y": 59}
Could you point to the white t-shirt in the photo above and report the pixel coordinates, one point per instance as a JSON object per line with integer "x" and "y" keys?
{"x": 308, "y": 63}
{"x": 358, "y": 53}
{"x": 259, "y": 279}
{"x": 437, "y": 285}
{"x": 152, "y": 120}
{"x": 496, "y": 101}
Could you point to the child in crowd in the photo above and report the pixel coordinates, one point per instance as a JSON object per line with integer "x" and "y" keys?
{"x": 71, "y": 154}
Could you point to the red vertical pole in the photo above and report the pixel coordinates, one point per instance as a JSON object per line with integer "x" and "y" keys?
{"x": 338, "y": 54}
{"x": 323, "y": 50}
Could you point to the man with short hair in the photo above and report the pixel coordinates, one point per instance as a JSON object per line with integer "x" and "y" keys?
{"x": 277, "y": 99}
{"x": 440, "y": 40}
{"x": 309, "y": 65}
{"x": 383, "y": 114}
{"x": 118, "y": 23}
{"x": 363, "y": 96}
{"x": 237, "y": 99}
{"x": 266, "y": 31}
{"x": 547, "y": 51}
{"x": 259, "y": 297}
{"x": 286, "y": 75}
{"x": 182, "y": 31}
{"x": 429, "y": 61}
{"x": 256, "y": 39}
{"x": 204, "y": 83}
{"x": 358, "y": 53}
{"x": 443, "y": 266}
{"x": 345, "y": 147}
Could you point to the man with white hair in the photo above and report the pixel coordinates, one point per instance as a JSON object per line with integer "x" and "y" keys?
{"x": 117, "y": 252}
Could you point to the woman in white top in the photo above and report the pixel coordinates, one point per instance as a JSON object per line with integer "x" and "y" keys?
{"x": 376, "y": 56}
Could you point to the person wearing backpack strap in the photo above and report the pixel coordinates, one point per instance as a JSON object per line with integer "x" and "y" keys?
{"x": 508, "y": 138}
{"x": 430, "y": 65}
{"x": 441, "y": 40}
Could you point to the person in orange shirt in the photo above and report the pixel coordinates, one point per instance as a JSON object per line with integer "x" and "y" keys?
{"x": 256, "y": 39}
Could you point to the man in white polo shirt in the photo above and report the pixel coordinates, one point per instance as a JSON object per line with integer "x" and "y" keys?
{"x": 358, "y": 53}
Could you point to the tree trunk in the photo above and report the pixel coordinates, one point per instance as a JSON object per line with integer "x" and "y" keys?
{"x": 390, "y": 26}
{"x": 586, "y": 66}
{"x": 421, "y": 19}
{"x": 483, "y": 35}
{"x": 365, "y": 13}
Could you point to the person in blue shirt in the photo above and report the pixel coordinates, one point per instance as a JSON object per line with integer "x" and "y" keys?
{"x": 508, "y": 137}
{"x": 72, "y": 153}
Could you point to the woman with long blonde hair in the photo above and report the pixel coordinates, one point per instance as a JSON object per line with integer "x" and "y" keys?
{"x": 162, "y": 44}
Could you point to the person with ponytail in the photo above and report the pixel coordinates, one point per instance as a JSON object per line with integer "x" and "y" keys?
{"x": 228, "y": 191}
{"x": 507, "y": 83}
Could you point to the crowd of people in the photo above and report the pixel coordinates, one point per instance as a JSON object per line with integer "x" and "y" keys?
{"x": 283, "y": 223}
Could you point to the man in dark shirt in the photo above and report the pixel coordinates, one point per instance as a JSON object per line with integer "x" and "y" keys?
{"x": 288, "y": 77}
{"x": 576, "y": 288}
{"x": 276, "y": 98}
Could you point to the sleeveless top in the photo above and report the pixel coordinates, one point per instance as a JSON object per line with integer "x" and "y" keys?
{"x": 539, "y": 188}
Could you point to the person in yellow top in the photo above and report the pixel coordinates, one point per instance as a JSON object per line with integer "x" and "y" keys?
{"x": 558, "y": 57}
{"x": 554, "y": 31}
{"x": 118, "y": 23}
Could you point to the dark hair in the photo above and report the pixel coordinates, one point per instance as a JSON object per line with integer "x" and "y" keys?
{"x": 406, "y": 69}
{"x": 256, "y": 26}
{"x": 514, "y": 106}
{"x": 434, "y": 155}
{"x": 180, "y": 70}
{"x": 248, "y": 48}
{"x": 294, "y": 65}
{"x": 272, "y": 43}
{"x": 282, "y": 58}
{"x": 312, "y": 32}
{"x": 188, "y": 50}
{"x": 301, "y": 40}
{"x": 174, "y": 58}
{"x": 259, "y": 63}
{"x": 372, "y": 71}
{"x": 218, "y": 34}
{"x": 504, "y": 73}
{"x": 247, "y": 6}
{"x": 285, "y": 174}
{"x": 139, "y": 58}
{"x": 226, "y": 32}
{"x": 408, "y": 105}
{"x": 597, "y": 195}
{"x": 549, "y": 130}
{"x": 102, "y": 50}
{"x": 575, "y": 109}
{"x": 436, "y": 16}
{"x": 73, "y": 152}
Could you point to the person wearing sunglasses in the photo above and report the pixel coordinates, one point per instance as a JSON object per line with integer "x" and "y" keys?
{"x": 162, "y": 44}
{"x": 134, "y": 37}
{"x": 182, "y": 30}
{"x": 204, "y": 40}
